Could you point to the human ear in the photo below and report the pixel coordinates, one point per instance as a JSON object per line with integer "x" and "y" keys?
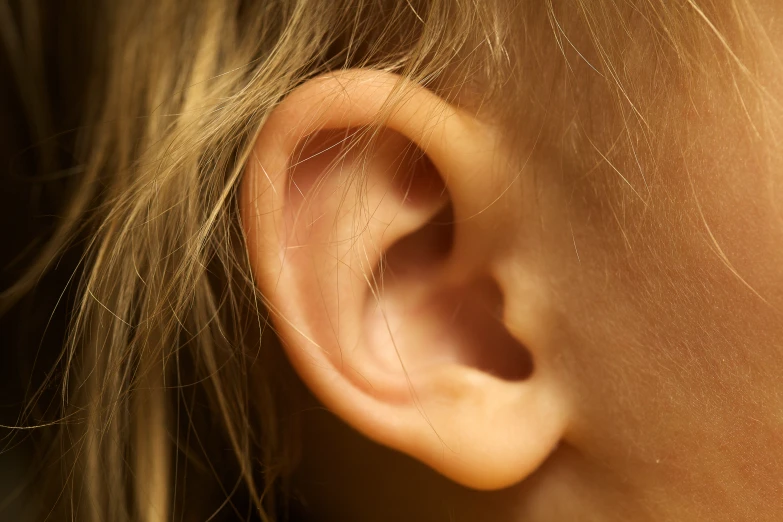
{"x": 374, "y": 226}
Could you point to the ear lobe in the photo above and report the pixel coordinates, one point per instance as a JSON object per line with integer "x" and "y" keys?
{"x": 368, "y": 225}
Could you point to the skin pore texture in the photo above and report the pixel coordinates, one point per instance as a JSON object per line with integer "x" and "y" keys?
{"x": 644, "y": 286}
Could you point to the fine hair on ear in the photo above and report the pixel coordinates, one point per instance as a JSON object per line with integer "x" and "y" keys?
{"x": 170, "y": 355}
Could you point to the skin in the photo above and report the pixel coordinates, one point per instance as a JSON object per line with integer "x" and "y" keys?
{"x": 664, "y": 326}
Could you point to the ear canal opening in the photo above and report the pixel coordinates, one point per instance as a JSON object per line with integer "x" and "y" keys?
{"x": 476, "y": 316}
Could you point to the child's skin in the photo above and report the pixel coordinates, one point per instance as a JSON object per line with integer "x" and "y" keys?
{"x": 650, "y": 303}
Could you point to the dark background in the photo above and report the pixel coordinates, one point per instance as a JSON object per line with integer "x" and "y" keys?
{"x": 45, "y": 72}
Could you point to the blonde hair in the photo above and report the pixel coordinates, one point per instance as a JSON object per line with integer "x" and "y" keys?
{"x": 167, "y": 310}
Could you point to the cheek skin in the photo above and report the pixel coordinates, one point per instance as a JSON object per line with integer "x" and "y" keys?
{"x": 672, "y": 326}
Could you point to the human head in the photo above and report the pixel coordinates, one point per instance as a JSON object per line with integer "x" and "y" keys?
{"x": 534, "y": 246}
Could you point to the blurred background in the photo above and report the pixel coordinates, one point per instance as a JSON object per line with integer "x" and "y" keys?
{"x": 39, "y": 131}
